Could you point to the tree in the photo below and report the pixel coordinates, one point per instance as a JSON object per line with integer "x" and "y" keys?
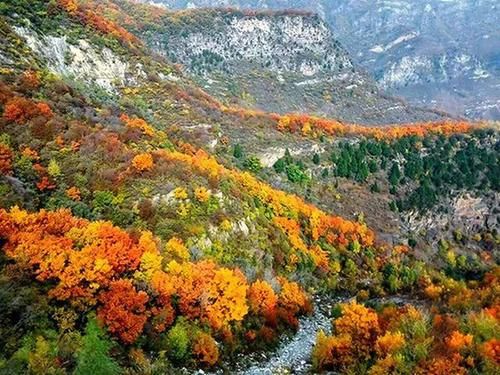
{"x": 226, "y": 298}
{"x": 262, "y": 299}
{"x": 372, "y": 166}
{"x": 202, "y": 194}
{"x": 374, "y": 188}
{"x": 205, "y": 349}
{"x": 363, "y": 172}
{"x": 361, "y": 324}
{"x": 332, "y": 352}
{"x": 20, "y": 110}
{"x": 238, "y": 151}
{"x": 6, "y": 158}
{"x": 394, "y": 174}
{"x": 295, "y": 174}
{"x": 123, "y": 310}
{"x": 316, "y": 159}
{"x": 389, "y": 343}
{"x": 93, "y": 357}
{"x": 177, "y": 341}
{"x": 253, "y": 164}
{"x": 280, "y": 165}
{"x": 143, "y": 162}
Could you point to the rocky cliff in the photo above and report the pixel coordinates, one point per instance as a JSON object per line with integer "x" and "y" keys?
{"x": 286, "y": 61}
{"x": 438, "y": 53}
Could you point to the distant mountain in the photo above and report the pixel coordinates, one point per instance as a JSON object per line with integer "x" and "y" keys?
{"x": 438, "y": 53}
{"x": 287, "y": 61}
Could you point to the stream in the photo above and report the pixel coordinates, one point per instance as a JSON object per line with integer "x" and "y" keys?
{"x": 293, "y": 355}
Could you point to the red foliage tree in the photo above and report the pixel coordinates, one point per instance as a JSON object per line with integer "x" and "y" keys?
{"x": 123, "y": 310}
{"x": 6, "y": 157}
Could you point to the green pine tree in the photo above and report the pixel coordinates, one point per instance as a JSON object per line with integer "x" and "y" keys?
{"x": 93, "y": 357}
{"x": 238, "y": 151}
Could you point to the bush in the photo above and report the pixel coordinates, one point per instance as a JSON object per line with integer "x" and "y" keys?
{"x": 253, "y": 164}
{"x": 177, "y": 342}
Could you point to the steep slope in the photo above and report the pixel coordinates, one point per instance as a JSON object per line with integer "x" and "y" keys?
{"x": 131, "y": 241}
{"x": 436, "y": 53}
{"x": 278, "y": 62}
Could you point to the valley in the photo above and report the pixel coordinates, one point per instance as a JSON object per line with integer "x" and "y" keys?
{"x": 226, "y": 191}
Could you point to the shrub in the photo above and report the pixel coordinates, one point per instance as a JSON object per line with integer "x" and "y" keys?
{"x": 143, "y": 162}
{"x": 177, "y": 342}
{"x": 205, "y": 349}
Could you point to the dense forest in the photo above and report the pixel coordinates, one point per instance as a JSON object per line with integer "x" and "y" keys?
{"x": 130, "y": 247}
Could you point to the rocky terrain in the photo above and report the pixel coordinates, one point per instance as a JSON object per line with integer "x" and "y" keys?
{"x": 278, "y": 62}
{"x": 436, "y": 53}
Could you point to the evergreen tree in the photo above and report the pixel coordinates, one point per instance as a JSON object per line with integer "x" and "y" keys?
{"x": 316, "y": 159}
{"x": 394, "y": 174}
{"x": 372, "y": 166}
{"x": 279, "y": 166}
{"x": 375, "y": 188}
{"x": 93, "y": 357}
{"x": 238, "y": 151}
{"x": 363, "y": 172}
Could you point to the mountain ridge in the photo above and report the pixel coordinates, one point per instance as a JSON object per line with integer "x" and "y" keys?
{"x": 280, "y": 62}
{"x": 413, "y": 49}
{"x": 148, "y": 228}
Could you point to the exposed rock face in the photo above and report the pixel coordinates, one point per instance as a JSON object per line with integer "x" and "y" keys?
{"x": 278, "y": 62}
{"x": 81, "y": 61}
{"x": 466, "y": 212}
{"x": 283, "y": 44}
{"x": 440, "y": 53}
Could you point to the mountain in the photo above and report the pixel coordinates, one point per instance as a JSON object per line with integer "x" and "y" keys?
{"x": 147, "y": 227}
{"x": 436, "y": 53}
{"x": 275, "y": 61}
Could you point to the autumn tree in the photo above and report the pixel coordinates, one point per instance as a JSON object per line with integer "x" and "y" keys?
{"x": 6, "y": 157}
{"x": 332, "y": 352}
{"x": 123, "y": 310}
{"x": 226, "y": 298}
{"x": 20, "y": 110}
{"x": 143, "y": 162}
{"x": 205, "y": 349}
{"x": 361, "y": 324}
{"x": 262, "y": 299}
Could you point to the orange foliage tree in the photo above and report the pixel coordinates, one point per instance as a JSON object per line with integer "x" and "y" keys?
{"x": 205, "y": 349}
{"x": 137, "y": 123}
{"x": 332, "y": 352}
{"x": 80, "y": 256}
{"x": 361, "y": 324}
{"x": 225, "y": 298}
{"x": 143, "y": 162}
{"x": 123, "y": 310}
{"x": 20, "y": 110}
{"x": 73, "y": 193}
{"x": 491, "y": 350}
{"x": 6, "y": 157}
{"x": 262, "y": 299}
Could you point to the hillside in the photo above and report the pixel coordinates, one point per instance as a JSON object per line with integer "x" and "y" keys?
{"x": 275, "y": 61}
{"x": 149, "y": 228}
{"x": 427, "y": 52}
